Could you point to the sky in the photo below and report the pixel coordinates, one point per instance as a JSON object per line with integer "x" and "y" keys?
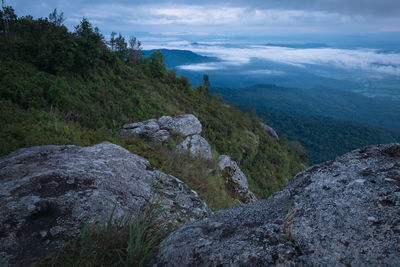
{"x": 225, "y": 18}
{"x": 366, "y": 24}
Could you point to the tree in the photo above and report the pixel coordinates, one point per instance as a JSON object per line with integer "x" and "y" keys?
{"x": 206, "y": 81}
{"x": 205, "y": 87}
{"x": 89, "y": 44}
{"x": 157, "y": 66}
{"x": 55, "y": 18}
{"x": 121, "y": 47}
{"x": 135, "y": 51}
{"x": 112, "y": 41}
{"x": 8, "y": 20}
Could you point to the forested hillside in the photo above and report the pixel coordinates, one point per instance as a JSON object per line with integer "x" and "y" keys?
{"x": 326, "y": 138}
{"x": 62, "y": 87}
{"x": 327, "y": 122}
{"x": 321, "y": 101}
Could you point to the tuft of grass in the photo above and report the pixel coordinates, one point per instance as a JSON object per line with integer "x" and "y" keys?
{"x": 128, "y": 242}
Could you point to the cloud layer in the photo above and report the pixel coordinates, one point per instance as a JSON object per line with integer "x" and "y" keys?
{"x": 225, "y": 17}
{"x": 369, "y": 60}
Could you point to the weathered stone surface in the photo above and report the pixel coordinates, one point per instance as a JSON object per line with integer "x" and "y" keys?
{"x": 160, "y": 130}
{"x": 160, "y": 136}
{"x": 185, "y": 125}
{"x": 235, "y": 179}
{"x": 149, "y": 129}
{"x": 270, "y": 131}
{"x": 47, "y": 193}
{"x": 344, "y": 212}
{"x": 197, "y": 146}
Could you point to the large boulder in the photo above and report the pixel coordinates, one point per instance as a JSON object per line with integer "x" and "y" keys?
{"x": 185, "y": 125}
{"x": 270, "y": 131}
{"x": 160, "y": 130}
{"x": 149, "y": 129}
{"x": 235, "y": 179}
{"x": 47, "y": 193}
{"x": 197, "y": 146}
{"x": 344, "y": 212}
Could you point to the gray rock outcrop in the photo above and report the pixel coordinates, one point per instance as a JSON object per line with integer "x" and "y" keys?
{"x": 270, "y": 131}
{"x": 185, "y": 125}
{"x": 160, "y": 130}
{"x": 235, "y": 179}
{"x": 196, "y": 145}
{"x": 149, "y": 129}
{"x": 344, "y": 212}
{"x": 47, "y": 193}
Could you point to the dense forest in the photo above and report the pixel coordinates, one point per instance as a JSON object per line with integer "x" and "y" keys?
{"x": 327, "y": 122}
{"x": 326, "y": 138}
{"x": 61, "y": 87}
{"x": 320, "y": 101}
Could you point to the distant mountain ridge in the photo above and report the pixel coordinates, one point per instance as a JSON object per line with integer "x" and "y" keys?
{"x": 175, "y": 57}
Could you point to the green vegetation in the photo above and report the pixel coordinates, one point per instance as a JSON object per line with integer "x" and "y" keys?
{"x": 323, "y": 120}
{"x": 319, "y": 101}
{"x": 128, "y": 242}
{"x": 60, "y": 87}
{"x": 326, "y": 138}
{"x": 193, "y": 171}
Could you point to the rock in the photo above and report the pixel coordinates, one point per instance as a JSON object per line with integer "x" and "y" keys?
{"x": 185, "y": 125}
{"x": 149, "y": 129}
{"x": 160, "y": 130}
{"x": 270, "y": 131}
{"x": 47, "y": 193}
{"x": 197, "y": 146}
{"x": 159, "y": 136}
{"x": 235, "y": 179}
{"x": 325, "y": 217}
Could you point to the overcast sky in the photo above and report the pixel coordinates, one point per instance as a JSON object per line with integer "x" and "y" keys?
{"x": 225, "y": 18}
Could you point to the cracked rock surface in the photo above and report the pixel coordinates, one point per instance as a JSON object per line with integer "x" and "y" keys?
{"x": 196, "y": 145}
{"x": 344, "y": 212}
{"x": 235, "y": 179}
{"x": 47, "y": 193}
{"x": 160, "y": 129}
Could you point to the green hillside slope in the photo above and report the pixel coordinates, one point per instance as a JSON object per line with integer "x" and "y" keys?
{"x": 58, "y": 87}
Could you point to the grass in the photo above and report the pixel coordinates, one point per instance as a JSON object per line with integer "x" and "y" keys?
{"x": 199, "y": 174}
{"x": 128, "y": 242}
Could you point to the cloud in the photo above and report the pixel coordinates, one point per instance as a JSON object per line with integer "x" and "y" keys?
{"x": 354, "y": 59}
{"x": 266, "y": 72}
{"x": 202, "y": 66}
{"x": 226, "y": 17}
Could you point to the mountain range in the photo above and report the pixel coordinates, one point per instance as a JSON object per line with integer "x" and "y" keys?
{"x": 326, "y": 121}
